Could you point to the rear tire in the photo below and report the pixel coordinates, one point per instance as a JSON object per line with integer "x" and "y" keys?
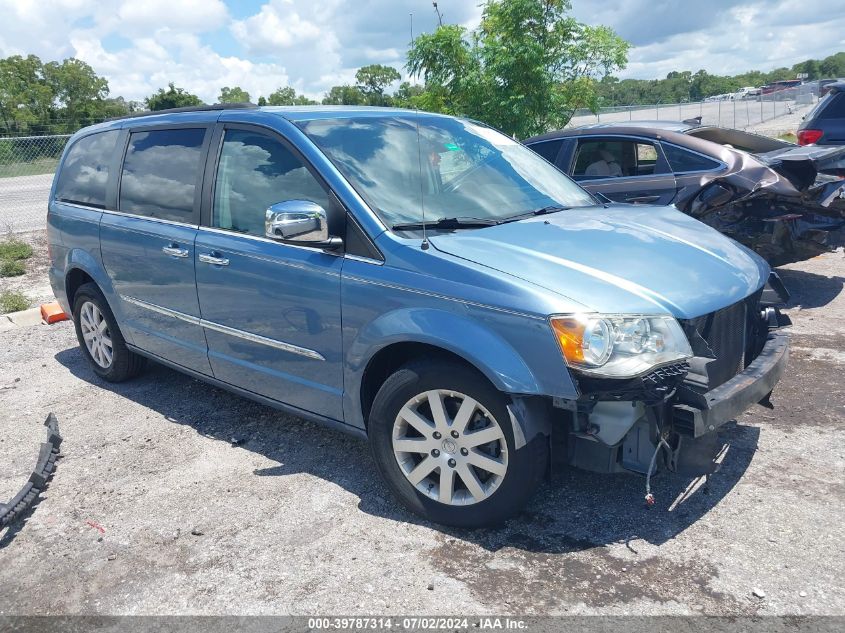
{"x": 100, "y": 338}
{"x": 460, "y": 468}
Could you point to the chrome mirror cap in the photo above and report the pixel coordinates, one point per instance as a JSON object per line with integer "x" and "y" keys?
{"x": 298, "y": 221}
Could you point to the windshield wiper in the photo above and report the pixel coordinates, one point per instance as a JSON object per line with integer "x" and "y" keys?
{"x": 535, "y": 212}
{"x": 446, "y": 223}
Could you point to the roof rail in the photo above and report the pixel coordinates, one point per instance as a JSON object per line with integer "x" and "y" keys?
{"x": 199, "y": 108}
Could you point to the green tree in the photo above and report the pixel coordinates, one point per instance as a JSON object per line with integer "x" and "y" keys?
{"x": 173, "y": 97}
{"x": 344, "y": 95}
{"x": 233, "y": 95}
{"x": 525, "y": 70}
{"x": 287, "y": 96}
{"x": 832, "y": 66}
{"x": 373, "y": 80}
{"x": 25, "y": 96}
{"x": 409, "y": 96}
{"x": 79, "y": 93}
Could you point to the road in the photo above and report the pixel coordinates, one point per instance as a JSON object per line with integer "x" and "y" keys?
{"x": 23, "y": 202}
{"x": 211, "y": 504}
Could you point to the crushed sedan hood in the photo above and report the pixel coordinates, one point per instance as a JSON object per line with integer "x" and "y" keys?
{"x": 619, "y": 258}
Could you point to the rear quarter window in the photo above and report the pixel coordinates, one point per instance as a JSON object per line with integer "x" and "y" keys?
{"x": 161, "y": 172}
{"x": 681, "y": 160}
{"x": 835, "y": 108}
{"x": 85, "y": 171}
{"x": 548, "y": 149}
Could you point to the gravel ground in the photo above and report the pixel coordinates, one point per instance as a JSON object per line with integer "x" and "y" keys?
{"x": 174, "y": 497}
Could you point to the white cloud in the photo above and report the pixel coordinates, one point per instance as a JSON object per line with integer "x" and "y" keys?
{"x": 190, "y": 16}
{"x": 277, "y": 26}
{"x": 147, "y": 65}
{"x": 141, "y": 45}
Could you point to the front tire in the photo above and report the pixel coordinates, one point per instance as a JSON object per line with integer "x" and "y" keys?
{"x": 442, "y": 439}
{"x": 100, "y": 338}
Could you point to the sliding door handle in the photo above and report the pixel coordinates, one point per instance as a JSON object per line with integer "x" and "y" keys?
{"x": 174, "y": 251}
{"x": 212, "y": 258}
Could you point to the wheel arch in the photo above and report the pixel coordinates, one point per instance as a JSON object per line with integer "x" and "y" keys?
{"x": 399, "y": 337}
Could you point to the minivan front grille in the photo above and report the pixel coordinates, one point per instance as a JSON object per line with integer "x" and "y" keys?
{"x": 724, "y": 331}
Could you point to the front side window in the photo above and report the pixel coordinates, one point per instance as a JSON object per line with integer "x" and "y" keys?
{"x": 614, "y": 159}
{"x": 255, "y": 172}
{"x": 681, "y": 160}
{"x": 160, "y": 173}
{"x": 85, "y": 171}
{"x": 450, "y": 168}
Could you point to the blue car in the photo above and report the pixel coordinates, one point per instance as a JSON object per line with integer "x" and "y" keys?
{"x": 419, "y": 280}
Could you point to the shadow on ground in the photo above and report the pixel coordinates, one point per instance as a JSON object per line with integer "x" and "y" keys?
{"x": 576, "y": 511}
{"x": 810, "y": 290}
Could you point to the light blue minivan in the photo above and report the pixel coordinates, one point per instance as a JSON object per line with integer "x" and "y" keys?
{"x": 420, "y": 280}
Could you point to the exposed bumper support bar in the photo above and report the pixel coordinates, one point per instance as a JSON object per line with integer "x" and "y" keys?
{"x": 748, "y": 387}
{"x": 44, "y": 468}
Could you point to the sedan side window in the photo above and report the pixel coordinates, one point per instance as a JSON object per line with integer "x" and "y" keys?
{"x": 681, "y": 160}
{"x": 614, "y": 159}
{"x": 254, "y": 172}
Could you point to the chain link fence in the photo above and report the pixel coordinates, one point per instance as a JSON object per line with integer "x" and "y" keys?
{"x": 774, "y": 114}
{"x": 27, "y": 164}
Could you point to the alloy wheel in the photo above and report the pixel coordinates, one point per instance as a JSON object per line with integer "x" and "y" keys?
{"x": 450, "y": 447}
{"x": 95, "y": 333}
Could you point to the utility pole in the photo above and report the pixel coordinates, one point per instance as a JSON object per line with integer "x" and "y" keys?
{"x": 439, "y": 15}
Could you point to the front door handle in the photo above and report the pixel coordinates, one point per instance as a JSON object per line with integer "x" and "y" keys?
{"x": 636, "y": 199}
{"x": 211, "y": 258}
{"x": 174, "y": 251}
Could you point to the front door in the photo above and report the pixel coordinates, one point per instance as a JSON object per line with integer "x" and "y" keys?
{"x": 624, "y": 170}
{"x": 270, "y": 311}
{"x": 148, "y": 243}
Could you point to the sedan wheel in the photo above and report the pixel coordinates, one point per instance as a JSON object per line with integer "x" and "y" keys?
{"x": 95, "y": 333}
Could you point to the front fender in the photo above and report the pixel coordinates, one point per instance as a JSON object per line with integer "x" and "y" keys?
{"x": 461, "y": 335}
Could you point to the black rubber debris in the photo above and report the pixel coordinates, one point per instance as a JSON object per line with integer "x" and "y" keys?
{"x": 44, "y": 469}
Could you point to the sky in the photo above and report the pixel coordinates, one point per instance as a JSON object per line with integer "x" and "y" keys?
{"x": 261, "y": 45}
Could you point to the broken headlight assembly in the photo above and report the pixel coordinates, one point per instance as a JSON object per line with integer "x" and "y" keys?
{"x": 619, "y": 345}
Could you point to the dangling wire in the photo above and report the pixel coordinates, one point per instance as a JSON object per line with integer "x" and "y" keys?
{"x": 649, "y": 498}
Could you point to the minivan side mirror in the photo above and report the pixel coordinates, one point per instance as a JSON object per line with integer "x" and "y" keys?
{"x": 300, "y": 222}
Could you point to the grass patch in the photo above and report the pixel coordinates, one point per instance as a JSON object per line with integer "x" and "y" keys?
{"x": 11, "y": 268}
{"x": 12, "y": 255}
{"x": 13, "y": 249}
{"x": 33, "y": 168}
{"x": 13, "y": 301}
{"x": 789, "y": 137}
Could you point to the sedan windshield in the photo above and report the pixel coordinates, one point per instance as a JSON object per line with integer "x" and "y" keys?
{"x": 446, "y": 167}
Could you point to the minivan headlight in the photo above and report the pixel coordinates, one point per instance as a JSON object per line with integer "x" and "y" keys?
{"x": 619, "y": 345}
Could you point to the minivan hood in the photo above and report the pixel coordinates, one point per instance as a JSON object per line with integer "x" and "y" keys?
{"x": 619, "y": 258}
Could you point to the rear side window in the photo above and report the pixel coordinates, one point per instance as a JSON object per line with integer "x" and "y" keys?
{"x": 681, "y": 160}
{"x": 547, "y": 149}
{"x": 835, "y": 109}
{"x": 85, "y": 171}
{"x": 161, "y": 172}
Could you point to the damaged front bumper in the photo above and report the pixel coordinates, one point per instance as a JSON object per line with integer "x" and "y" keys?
{"x": 618, "y": 426}
{"x": 750, "y": 386}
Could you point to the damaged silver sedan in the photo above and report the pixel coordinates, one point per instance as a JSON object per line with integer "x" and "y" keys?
{"x": 784, "y": 201}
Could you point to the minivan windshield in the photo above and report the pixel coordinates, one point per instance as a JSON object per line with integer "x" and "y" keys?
{"x": 450, "y": 168}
